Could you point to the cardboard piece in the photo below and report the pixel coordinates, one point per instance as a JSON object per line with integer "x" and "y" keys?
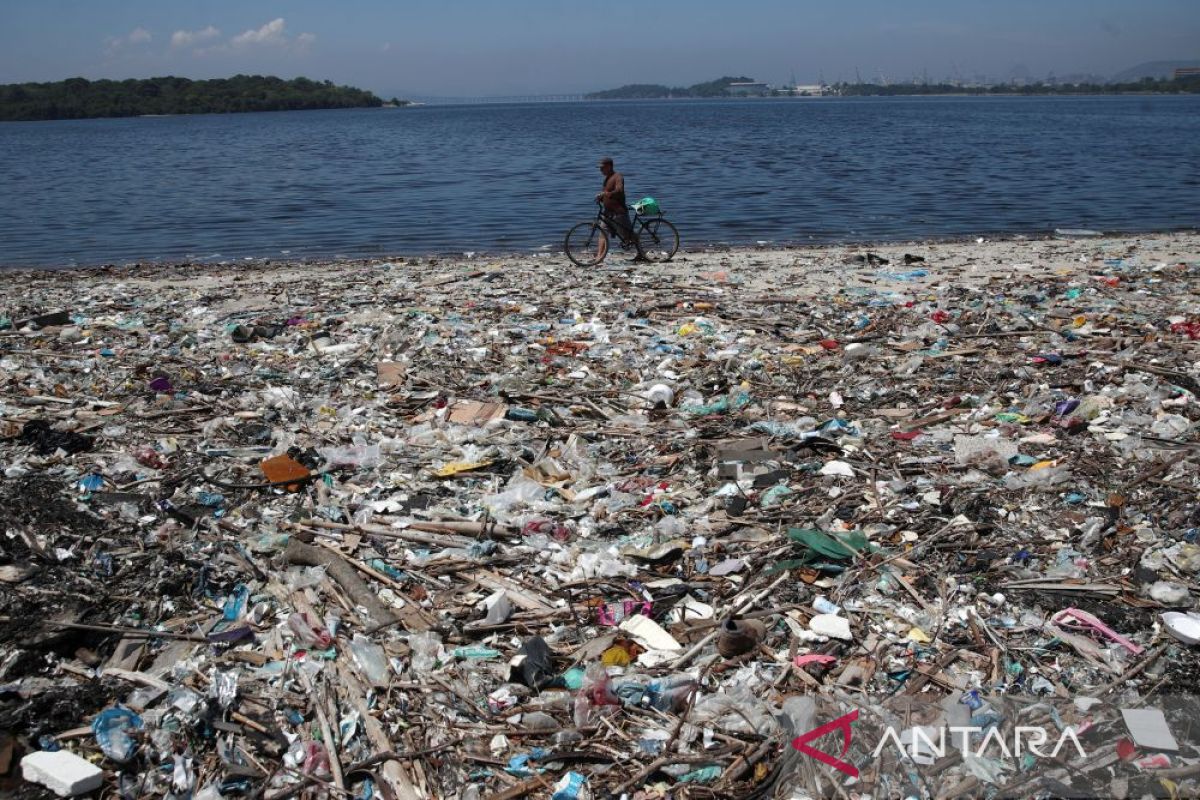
{"x": 473, "y": 412}
{"x": 285, "y": 468}
{"x": 390, "y": 373}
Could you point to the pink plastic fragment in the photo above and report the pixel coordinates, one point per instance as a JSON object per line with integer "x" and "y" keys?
{"x": 614, "y": 613}
{"x": 316, "y": 759}
{"x": 1078, "y": 618}
{"x": 813, "y": 658}
{"x": 1156, "y": 761}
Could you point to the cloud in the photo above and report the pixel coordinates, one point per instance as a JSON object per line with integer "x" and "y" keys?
{"x": 272, "y": 34}
{"x": 114, "y": 44}
{"x": 187, "y": 38}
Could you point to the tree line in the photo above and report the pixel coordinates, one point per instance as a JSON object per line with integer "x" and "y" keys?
{"x": 1186, "y": 85}
{"x": 78, "y": 98}
{"x": 720, "y": 88}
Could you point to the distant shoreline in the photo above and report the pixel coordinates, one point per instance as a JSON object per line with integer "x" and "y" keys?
{"x": 753, "y": 98}
{"x": 79, "y": 98}
{"x": 747, "y": 88}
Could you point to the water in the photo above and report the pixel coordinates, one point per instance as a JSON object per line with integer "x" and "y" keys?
{"x": 512, "y": 178}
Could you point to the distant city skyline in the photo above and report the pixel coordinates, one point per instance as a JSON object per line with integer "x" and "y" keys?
{"x": 477, "y": 48}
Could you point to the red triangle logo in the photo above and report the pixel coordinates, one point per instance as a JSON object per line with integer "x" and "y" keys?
{"x": 841, "y": 723}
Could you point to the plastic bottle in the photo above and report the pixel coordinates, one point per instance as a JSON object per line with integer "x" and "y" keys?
{"x": 475, "y": 653}
{"x": 553, "y": 699}
{"x": 702, "y": 775}
{"x": 235, "y": 604}
{"x": 670, "y": 693}
{"x": 582, "y": 713}
{"x": 538, "y": 721}
{"x": 567, "y": 737}
{"x": 425, "y": 650}
{"x": 372, "y": 662}
{"x": 379, "y": 565}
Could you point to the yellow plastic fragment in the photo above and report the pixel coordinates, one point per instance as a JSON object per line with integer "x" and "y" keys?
{"x": 918, "y": 635}
{"x": 616, "y": 656}
{"x": 455, "y": 467}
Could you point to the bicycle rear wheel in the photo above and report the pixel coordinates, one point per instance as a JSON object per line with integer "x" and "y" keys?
{"x": 586, "y": 244}
{"x": 658, "y": 238}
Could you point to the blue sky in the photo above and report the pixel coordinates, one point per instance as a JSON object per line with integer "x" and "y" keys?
{"x": 511, "y": 47}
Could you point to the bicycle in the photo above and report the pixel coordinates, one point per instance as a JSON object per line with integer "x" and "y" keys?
{"x": 587, "y": 243}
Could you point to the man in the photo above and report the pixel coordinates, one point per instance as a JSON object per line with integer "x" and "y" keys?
{"x": 616, "y": 214}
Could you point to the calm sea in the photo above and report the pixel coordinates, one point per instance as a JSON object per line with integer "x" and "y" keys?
{"x": 511, "y": 178}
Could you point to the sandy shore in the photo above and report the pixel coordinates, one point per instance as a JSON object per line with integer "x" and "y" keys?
{"x": 808, "y": 272}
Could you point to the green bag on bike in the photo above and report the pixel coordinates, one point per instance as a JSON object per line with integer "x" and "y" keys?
{"x": 647, "y": 207}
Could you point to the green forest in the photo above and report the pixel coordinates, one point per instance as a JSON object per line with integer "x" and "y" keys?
{"x": 78, "y": 98}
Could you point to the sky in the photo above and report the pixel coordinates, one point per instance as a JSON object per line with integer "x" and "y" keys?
{"x": 479, "y": 48}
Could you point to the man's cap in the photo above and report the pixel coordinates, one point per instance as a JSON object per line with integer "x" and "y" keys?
{"x": 605, "y": 160}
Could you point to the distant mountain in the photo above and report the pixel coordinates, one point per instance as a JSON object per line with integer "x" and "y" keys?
{"x": 641, "y": 91}
{"x": 1159, "y": 70}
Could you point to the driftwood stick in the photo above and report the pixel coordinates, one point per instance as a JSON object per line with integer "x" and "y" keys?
{"x": 391, "y": 533}
{"x": 299, "y": 553}
{"x": 395, "y": 773}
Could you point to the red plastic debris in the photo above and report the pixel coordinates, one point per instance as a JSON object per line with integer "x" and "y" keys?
{"x": 1189, "y": 329}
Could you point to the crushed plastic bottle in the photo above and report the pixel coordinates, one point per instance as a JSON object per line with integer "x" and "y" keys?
{"x": 371, "y": 660}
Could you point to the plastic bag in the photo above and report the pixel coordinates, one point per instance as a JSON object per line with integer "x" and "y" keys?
{"x": 115, "y": 730}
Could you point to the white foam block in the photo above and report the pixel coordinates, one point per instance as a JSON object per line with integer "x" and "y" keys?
{"x": 64, "y": 773}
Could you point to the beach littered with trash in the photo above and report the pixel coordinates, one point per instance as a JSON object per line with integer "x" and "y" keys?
{"x": 502, "y": 527}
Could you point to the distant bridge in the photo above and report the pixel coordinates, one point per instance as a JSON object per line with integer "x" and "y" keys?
{"x": 528, "y": 98}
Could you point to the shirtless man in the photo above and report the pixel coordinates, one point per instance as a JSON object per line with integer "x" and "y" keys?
{"x": 612, "y": 197}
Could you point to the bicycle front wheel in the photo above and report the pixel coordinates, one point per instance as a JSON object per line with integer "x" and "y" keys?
{"x": 659, "y": 239}
{"x": 586, "y": 244}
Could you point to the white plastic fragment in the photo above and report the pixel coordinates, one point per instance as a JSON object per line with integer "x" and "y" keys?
{"x": 838, "y": 468}
{"x": 649, "y": 633}
{"x": 1148, "y": 727}
{"x": 1184, "y": 627}
{"x": 831, "y": 625}
{"x": 61, "y": 771}
{"x": 1169, "y": 593}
